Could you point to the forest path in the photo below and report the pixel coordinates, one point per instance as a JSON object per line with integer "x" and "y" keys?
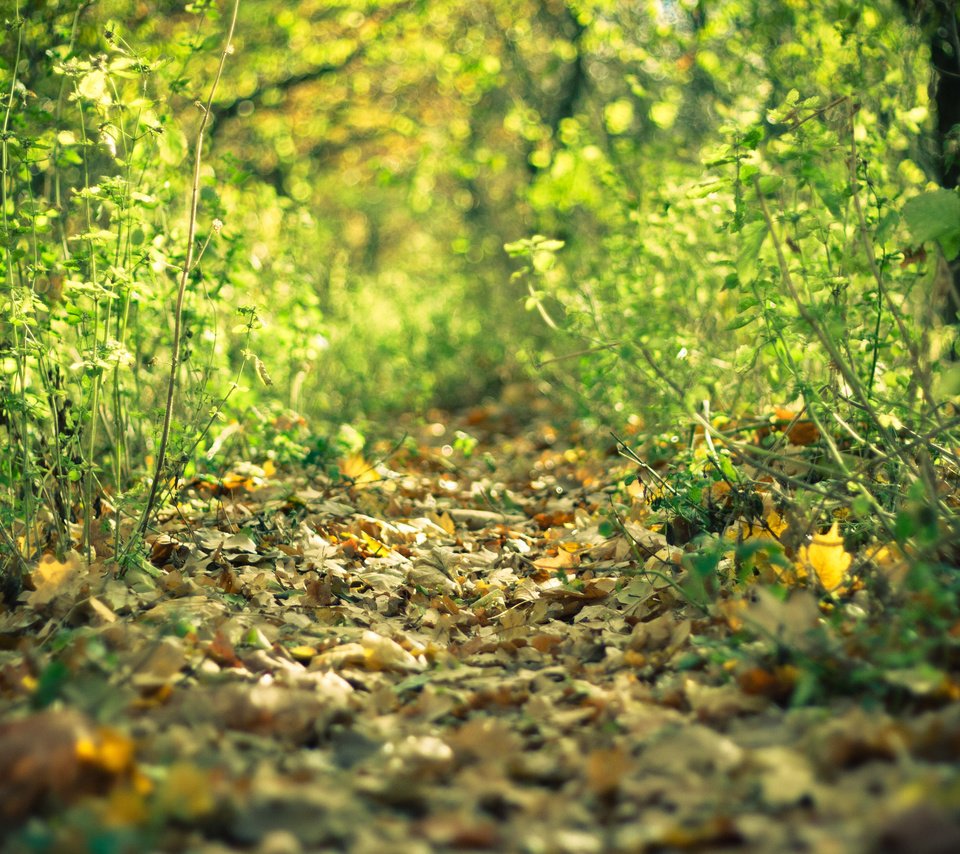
{"x": 453, "y": 649}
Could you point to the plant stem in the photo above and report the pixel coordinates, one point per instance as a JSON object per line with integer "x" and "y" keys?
{"x": 19, "y": 344}
{"x": 182, "y": 288}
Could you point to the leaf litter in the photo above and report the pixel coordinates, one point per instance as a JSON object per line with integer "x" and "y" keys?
{"x": 438, "y": 654}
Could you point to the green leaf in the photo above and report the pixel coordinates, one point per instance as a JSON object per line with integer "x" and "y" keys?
{"x": 769, "y": 184}
{"x": 52, "y": 680}
{"x": 935, "y": 216}
{"x": 740, "y": 321}
{"x": 950, "y": 244}
{"x": 752, "y": 237}
{"x": 706, "y": 187}
{"x": 93, "y": 87}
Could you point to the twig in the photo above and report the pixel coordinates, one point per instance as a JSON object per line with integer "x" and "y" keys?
{"x": 184, "y": 277}
{"x": 648, "y": 573}
{"x": 585, "y": 352}
{"x": 627, "y": 452}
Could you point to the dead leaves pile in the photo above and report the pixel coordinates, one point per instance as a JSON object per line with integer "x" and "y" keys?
{"x": 438, "y": 658}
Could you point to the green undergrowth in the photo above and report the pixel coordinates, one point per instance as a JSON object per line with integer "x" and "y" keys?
{"x": 822, "y": 600}
{"x": 719, "y": 236}
{"x": 767, "y": 310}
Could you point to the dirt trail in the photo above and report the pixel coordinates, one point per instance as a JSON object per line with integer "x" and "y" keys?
{"x": 448, "y": 650}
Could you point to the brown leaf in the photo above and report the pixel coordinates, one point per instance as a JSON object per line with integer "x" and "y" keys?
{"x": 720, "y": 703}
{"x": 162, "y": 664}
{"x": 53, "y": 580}
{"x": 606, "y": 768}
{"x": 561, "y": 560}
{"x": 222, "y": 652}
{"x": 57, "y": 755}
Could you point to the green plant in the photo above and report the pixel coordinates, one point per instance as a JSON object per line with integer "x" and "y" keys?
{"x": 91, "y": 149}
{"x": 186, "y": 270}
{"x": 787, "y": 206}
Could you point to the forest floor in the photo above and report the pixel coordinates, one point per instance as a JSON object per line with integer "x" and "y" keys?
{"x": 453, "y": 649}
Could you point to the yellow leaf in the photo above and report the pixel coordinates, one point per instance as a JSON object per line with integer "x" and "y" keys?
{"x": 303, "y": 652}
{"x": 186, "y": 793}
{"x": 444, "y": 521}
{"x": 892, "y": 563}
{"x": 826, "y": 557}
{"x": 776, "y": 523}
{"x": 747, "y": 530}
{"x": 52, "y": 579}
{"x": 109, "y": 750}
{"x": 358, "y": 469}
{"x": 377, "y": 549}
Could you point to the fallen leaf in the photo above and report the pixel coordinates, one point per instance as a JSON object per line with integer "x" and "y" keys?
{"x": 53, "y": 579}
{"x": 185, "y": 792}
{"x": 605, "y": 769}
{"x": 57, "y": 756}
{"x": 826, "y": 558}
{"x": 386, "y": 654}
{"x": 162, "y": 664}
{"x": 561, "y": 560}
{"x": 107, "y": 749}
{"x": 790, "y": 621}
{"x": 786, "y": 776}
{"x": 357, "y": 469}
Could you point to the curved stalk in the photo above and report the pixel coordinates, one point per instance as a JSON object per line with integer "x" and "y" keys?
{"x": 182, "y": 288}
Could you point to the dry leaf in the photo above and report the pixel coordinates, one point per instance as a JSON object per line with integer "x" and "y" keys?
{"x": 787, "y": 777}
{"x": 107, "y": 750}
{"x": 605, "y": 769}
{"x": 100, "y": 613}
{"x": 561, "y": 560}
{"x": 357, "y": 469}
{"x": 826, "y": 558}
{"x": 57, "y": 755}
{"x": 163, "y": 663}
{"x": 185, "y": 792}
{"x": 53, "y": 579}
{"x": 385, "y": 654}
{"x": 789, "y": 622}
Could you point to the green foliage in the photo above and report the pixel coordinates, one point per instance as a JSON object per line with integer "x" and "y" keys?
{"x": 91, "y": 238}
{"x": 935, "y": 216}
{"x": 736, "y": 210}
{"x": 708, "y": 214}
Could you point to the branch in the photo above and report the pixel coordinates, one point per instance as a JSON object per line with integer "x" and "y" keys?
{"x": 229, "y": 109}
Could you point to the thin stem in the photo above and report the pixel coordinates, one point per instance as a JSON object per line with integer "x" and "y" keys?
{"x": 182, "y": 289}
{"x": 836, "y": 357}
{"x": 21, "y": 377}
{"x": 923, "y": 373}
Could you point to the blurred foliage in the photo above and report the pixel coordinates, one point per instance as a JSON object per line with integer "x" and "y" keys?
{"x": 369, "y": 161}
{"x": 721, "y": 207}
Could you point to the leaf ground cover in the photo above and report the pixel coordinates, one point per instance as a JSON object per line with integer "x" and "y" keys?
{"x": 489, "y": 638}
